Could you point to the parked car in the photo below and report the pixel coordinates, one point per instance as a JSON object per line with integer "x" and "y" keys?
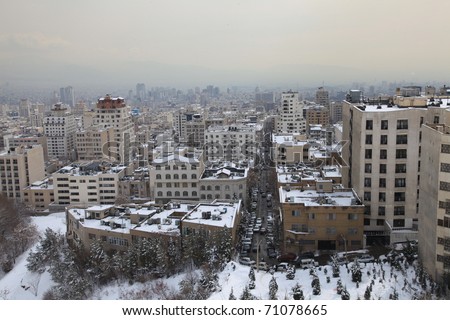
{"x": 271, "y": 253}
{"x": 263, "y": 266}
{"x": 246, "y": 261}
{"x": 365, "y": 258}
{"x": 287, "y": 257}
{"x": 308, "y": 263}
{"x": 282, "y": 266}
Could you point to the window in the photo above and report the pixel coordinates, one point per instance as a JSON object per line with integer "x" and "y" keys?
{"x": 184, "y": 176}
{"x": 383, "y": 154}
{"x": 169, "y": 193}
{"x": 352, "y": 231}
{"x": 352, "y": 216}
{"x": 368, "y": 168}
{"x": 384, "y": 124}
{"x": 444, "y": 186}
{"x": 367, "y": 222}
{"x": 185, "y": 193}
{"x": 167, "y": 176}
{"x": 368, "y": 139}
{"x": 332, "y": 216}
{"x": 177, "y": 193}
{"x": 382, "y": 183}
{"x": 368, "y": 154}
{"x": 402, "y": 124}
{"x": 400, "y": 154}
{"x": 400, "y": 168}
{"x": 331, "y": 230}
{"x": 400, "y": 182}
{"x": 445, "y": 148}
{"x": 168, "y": 185}
{"x": 399, "y": 196}
{"x": 381, "y": 211}
{"x": 399, "y": 210}
{"x": 158, "y": 177}
{"x": 436, "y": 119}
{"x": 176, "y": 176}
{"x": 383, "y": 168}
{"x": 367, "y": 182}
{"x": 311, "y": 216}
{"x": 445, "y": 167}
{"x": 402, "y": 139}
{"x": 382, "y": 196}
{"x": 367, "y": 196}
{"x": 296, "y": 213}
{"x": 399, "y": 223}
{"x": 369, "y": 124}
{"x": 383, "y": 139}
{"x": 380, "y": 222}
{"x": 194, "y": 193}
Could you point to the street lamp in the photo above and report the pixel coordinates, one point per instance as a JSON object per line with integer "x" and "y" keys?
{"x": 257, "y": 254}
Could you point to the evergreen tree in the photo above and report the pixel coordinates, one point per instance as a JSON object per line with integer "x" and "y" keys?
{"x": 290, "y": 273}
{"x": 356, "y": 272}
{"x": 367, "y": 293}
{"x": 251, "y": 274}
{"x": 48, "y": 251}
{"x": 345, "y": 295}
{"x": 246, "y": 295}
{"x": 273, "y": 289}
{"x": 297, "y": 292}
{"x": 315, "y": 284}
{"x": 231, "y": 296}
{"x": 339, "y": 287}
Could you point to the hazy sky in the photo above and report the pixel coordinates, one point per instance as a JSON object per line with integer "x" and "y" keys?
{"x": 194, "y": 42}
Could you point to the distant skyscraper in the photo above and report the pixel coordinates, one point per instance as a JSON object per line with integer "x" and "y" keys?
{"x": 59, "y": 128}
{"x": 66, "y": 96}
{"x": 141, "y": 92}
{"x": 323, "y": 97}
{"x": 290, "y": 114}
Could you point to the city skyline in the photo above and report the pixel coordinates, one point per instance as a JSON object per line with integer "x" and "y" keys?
{"x": 233, "y": 42}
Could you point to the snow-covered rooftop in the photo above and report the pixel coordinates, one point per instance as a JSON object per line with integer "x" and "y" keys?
{"x": 344, "y": 197}
{"x": 220, "y": 214}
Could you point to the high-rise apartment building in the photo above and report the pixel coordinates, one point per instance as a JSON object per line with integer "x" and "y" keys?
{"x": 19, "y": 167}
{"x": 59, "y": 128}
{"x": 323, "y": 97}
{"x": 114, "y": 113}
{"x": 92, "y": 143}
{"x": 383, "y": 150}
{"x": 290, "y": 114}
{"x": 434, "y": 200}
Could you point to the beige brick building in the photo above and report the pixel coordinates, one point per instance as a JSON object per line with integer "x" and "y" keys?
{"x": 325, "y": 217}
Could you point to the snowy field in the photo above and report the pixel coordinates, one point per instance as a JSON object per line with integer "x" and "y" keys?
{"x": 20, "y": 284}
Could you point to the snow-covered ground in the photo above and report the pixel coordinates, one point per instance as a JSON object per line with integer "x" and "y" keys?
{"x": 20, "y": 284}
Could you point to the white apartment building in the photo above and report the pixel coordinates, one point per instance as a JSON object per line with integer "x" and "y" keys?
{"x": 59, "y": 128}
{"x": 114, "y": 113}
{"x": 87, "y": 183}
{"x": 175, "y": 177}
{"x": 233, "y": 143}
{"x": 224, "y": 182}
{"x": 383, "y": 150}
{"x": 290, "y": 114}
{"x": 19, "y": 167}
{"x": 189, "y": 125}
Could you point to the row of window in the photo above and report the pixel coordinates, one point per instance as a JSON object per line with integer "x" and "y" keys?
{"x": 398, "y": 196}
{"x": 397, "y": 223}
{"x": 398, "y": 182}
{"x": 175, "y": 167}
{"x": 176, "y": 194}
{"x": 176, "y": 176}
{"x": 400, "y": 139}
{"x": 402, "y": 124}
{"x": 329, "y": 216}
{"x": 399, "y": 154}
{"x": 399, "y": 168}
{"x": 329, "y": 230}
